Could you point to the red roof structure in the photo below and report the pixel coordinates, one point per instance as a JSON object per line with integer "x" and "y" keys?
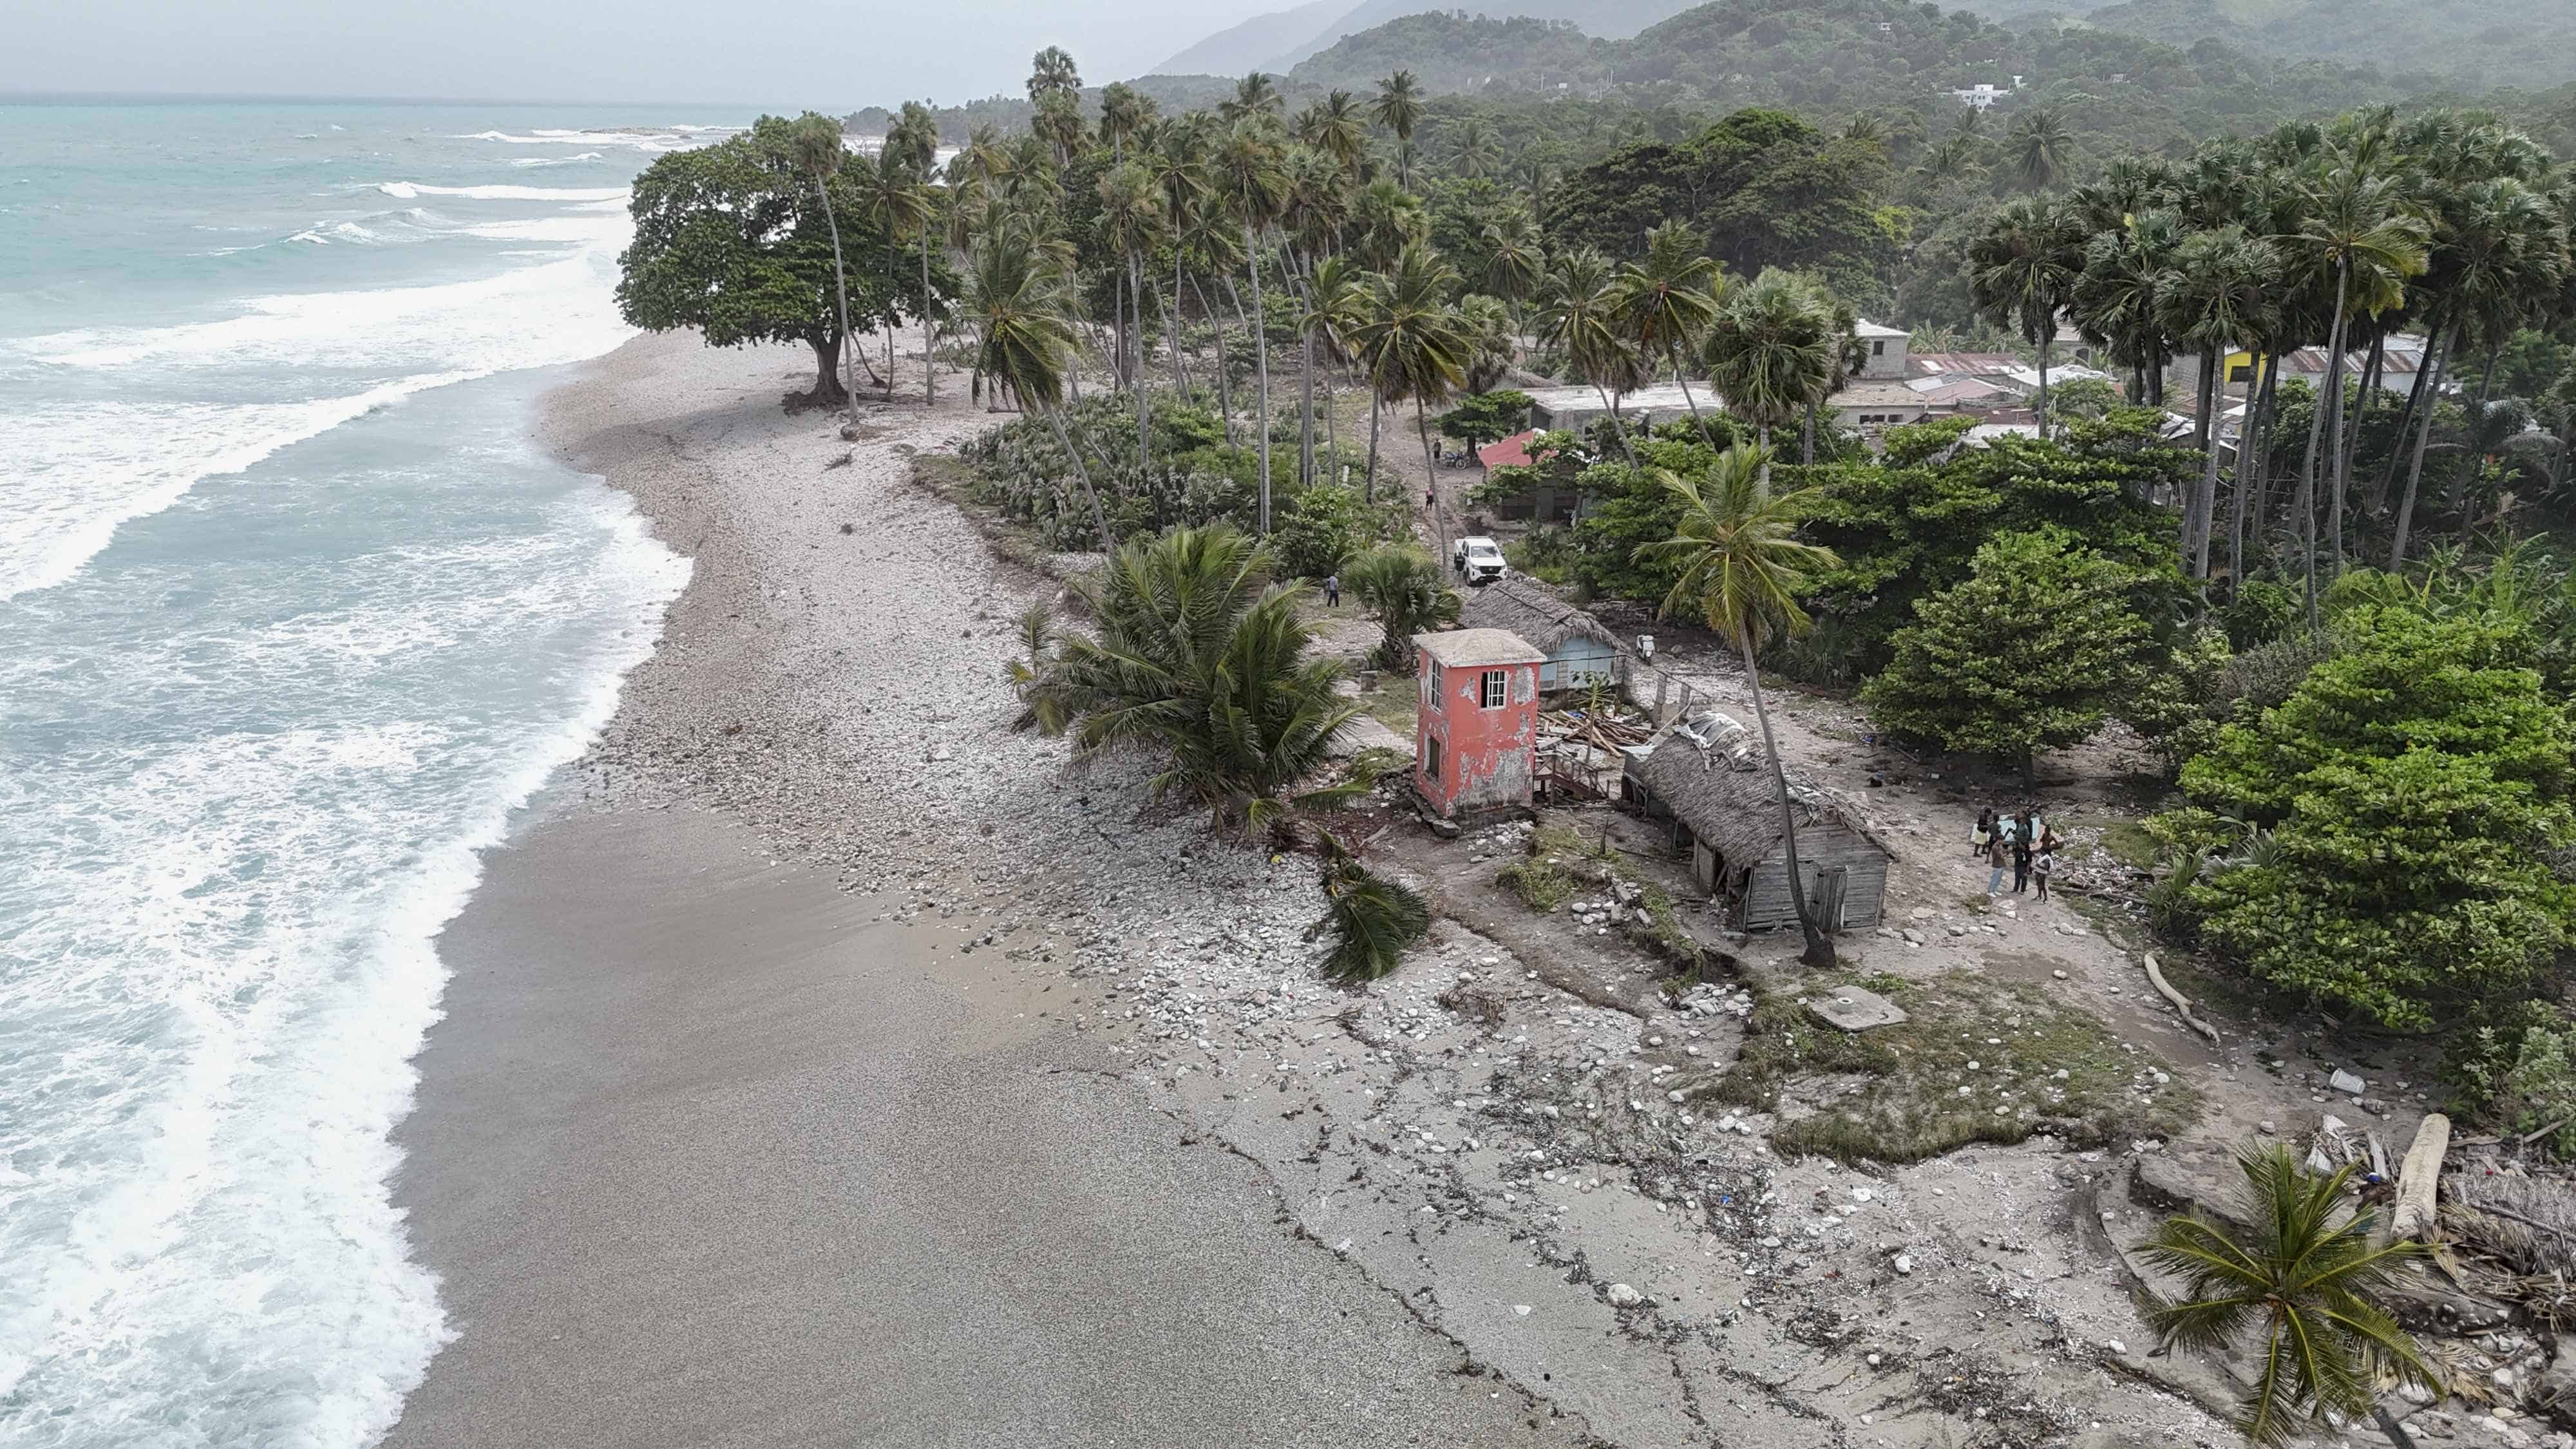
{"x": 1511, "y": 452}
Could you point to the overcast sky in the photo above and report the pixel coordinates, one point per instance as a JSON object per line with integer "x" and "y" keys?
{"x": 778, "y": 56}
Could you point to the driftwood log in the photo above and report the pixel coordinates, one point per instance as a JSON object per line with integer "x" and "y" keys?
{"x": 2418, "y": 1176}
{"x": 2181, "y": 1003}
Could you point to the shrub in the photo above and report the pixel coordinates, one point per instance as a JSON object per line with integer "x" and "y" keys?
{"x": 1326, "y": 525}
{"x": 1373, "y": 920}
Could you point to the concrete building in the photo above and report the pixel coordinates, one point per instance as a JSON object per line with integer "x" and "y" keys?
{"x": 1572, "y": 408}
{"x": 1883, "y": 350}
{"x": 1475, "y": 749}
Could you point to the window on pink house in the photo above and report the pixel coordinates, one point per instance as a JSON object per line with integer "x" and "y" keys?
{"x": 1497, "y": 688}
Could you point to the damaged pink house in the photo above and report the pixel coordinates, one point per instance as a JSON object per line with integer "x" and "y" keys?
{"x": 1475, "y": 749}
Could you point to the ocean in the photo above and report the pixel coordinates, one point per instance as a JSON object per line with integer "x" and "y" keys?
{"x": 292, "y": 617}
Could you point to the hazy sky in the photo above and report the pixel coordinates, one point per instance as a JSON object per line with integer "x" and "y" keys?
{"x": 772, "y": 55}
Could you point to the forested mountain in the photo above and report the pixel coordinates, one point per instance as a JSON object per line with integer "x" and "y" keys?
{"x": 2476, "y": 42}
{"x": 1310, "y": 30}
{"x": 1455, "y": 51}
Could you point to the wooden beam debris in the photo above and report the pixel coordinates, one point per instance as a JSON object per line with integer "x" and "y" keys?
{"x": 2181, "y": 1003}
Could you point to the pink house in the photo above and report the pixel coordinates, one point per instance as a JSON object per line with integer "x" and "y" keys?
{"x": 1475, "y": 747}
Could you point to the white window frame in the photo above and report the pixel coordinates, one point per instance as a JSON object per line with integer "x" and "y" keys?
{"x": 1495, "y": 689}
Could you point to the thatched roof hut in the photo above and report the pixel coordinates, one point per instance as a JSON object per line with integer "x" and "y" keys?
{"x": 1579, "y": 647}
{"x": 1729, "y": 821}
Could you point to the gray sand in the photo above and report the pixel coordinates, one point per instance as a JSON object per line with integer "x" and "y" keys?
{"x": 704, "y": 1158}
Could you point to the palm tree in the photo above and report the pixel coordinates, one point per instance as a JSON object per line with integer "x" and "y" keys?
{"x": 1771, "y": 351}
{"x": 1050, "y": 71}
{"x": 1024, "y": 334}
{"x": 2021, "y": 270}
{"x": 1180, "y": 178}
{"x": 1251, "y": 180}
{"x": 1409, "y": 593}
{"x": 1515, "y": 258}
{"x": 2041, "y": 148}
{"x": 1579, "y": 318}
{"x": 1741, "y": 568}
{"x": 1336, "y": 302}
{"x": 1131, "y": 220}
{"x": 2360, "y": 235}
{"x": 2299, "y": 1289}
{"x": 1410, "y": 343}
{"x": 898, "y": 203}
{"x": 1058, "y": 123}
{"x": 915, "y": 137}
{"x": 1476, "y": 151}
{"x": 1385, "y": 219}
{"x": 1199, "y": 662}
{"x": 1335, "y": 127}
{"x": 1124, "y": 112}
{"x": 1398, "y": 108}
{"x": 818, "y": 154}
{"x": 2114, "y": 296}
{"x": 1255, "y": 96}
{"x": 2220, "y": 293}
{"x": 1667, "y": 299}
{"x": 1486, "y": 324}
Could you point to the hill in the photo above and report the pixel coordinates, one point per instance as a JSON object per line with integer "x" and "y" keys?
{"x": 2471, "y": 42}
{"x": 1455, "y": 51}
{"x": 1256, "y": 43}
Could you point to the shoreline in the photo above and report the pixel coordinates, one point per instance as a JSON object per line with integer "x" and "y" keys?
{"x": 710, "y": 1147}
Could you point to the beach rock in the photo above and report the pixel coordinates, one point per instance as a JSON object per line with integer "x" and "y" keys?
{"x": 1623, "y": 1296}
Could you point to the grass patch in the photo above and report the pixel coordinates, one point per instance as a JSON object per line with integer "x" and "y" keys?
{"x": 2129, "y": 843}
{"x": 1542, "y": 884}
{"x": 1374, "y": 763}
{"x": 1396, "y": 702}
{"x": 1907, "y": 1103}
{"x": 960, "y": 483}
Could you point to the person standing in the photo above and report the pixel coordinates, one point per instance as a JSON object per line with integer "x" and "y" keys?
{"x": 2043, "y": 867}
{"x": 1332, "y": 591}
{"x": 2021, "y": 864}
{"x": 1995, "y": 869}
{"x": 1983, "y": 835}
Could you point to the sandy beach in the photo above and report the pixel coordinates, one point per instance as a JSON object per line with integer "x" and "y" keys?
{"x": 711, "y": 1151}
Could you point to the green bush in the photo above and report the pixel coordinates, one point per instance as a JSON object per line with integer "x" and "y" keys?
{"x": 1325, "y": 526}
{"x": 2514, "y": 1070}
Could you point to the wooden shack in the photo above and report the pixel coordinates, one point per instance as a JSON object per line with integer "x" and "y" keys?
{"x": 1580, "y": 649}
{"x": 1728, "y": 820}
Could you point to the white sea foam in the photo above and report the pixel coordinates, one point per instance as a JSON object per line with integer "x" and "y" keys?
{"x": 556, "y": 160}
{"x": 231, "y": 933}
{"x": 407, "y": 190}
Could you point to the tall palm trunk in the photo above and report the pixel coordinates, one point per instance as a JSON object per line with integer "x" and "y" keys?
{"x": 1807, "y": 437}
{"x": 1368, "y": 485}
{"x": 2205, "y": 427}
{"x": 2196, "y": 519}
{"x": 1432, "y": 467}
{"x": 1306, "y": 412}
{"x": 2247, "y": 440}
{"x": 1144, "y": 408}
{"x": 2335, "y": 457}
{"x": 1260, "y": 370}
{"x": 929, "y": 363}
{"x": 840, "y": 286}
{"x": 2262, "y": 510}
{"x": 1099, "y": 520}
{"x": 2306, "y": 502}
{"x": 1675, "y": 348}
{"x": 1224, "y": 394}
{"x": 2436, "y": 358}
{"x": 1618, "y": 429}
{"x": 2047, "y": 335}
{"x": 1820, "y": 947}
{"x": 1172, "y": 327}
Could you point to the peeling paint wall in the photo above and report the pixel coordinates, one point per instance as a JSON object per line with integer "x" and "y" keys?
{"x": 1487, "y": 757}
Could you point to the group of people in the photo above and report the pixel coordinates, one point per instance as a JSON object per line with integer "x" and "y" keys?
{"x": 2022, "y": 843}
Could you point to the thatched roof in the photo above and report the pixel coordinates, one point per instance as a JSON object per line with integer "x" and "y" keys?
{"x": 1736, "y": 811}
{"x": 1532, "y": 612}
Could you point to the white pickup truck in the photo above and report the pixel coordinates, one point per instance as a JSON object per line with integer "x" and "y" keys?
{"x": 1478, "y": 560}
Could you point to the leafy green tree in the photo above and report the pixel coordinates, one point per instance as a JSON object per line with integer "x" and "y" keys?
{"x": 1327, "y": 524}
{"x": 1409, "y": 593}
{"x": 2414, "y": 786}
{"x": 1741, "y": 567}
{"x": 2299, "y": 1288}
{"x": 2035, "y": 650}
{"x": 1486, "y": 417}
{"x": 1772, "y": 349}
{"x": 735, "y": 240}
{"x": 1199, "y": 663}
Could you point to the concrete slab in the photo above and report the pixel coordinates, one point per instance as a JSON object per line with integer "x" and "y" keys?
{"x": 1853, "y": 1009}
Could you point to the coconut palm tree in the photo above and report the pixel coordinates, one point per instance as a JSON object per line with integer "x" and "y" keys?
{"x": 1255, "y": 96}
{"x": 1399, "y": 108}
{"x": 2219, "y": 293}
{"x": 1131, "y": 221}
{"x": 1199, "y": 662}
{"x": 1176, "y": 166}
{"x": 1024, "y": 337}
{"x": 1741, "y": 568}
{"x": 817, "y": 155}
{"x": 1409, "y": 341}
{"x": 1515, "y": 258}
{"x": 1059, "y": 124}
{"x": 1772, "y": 350}
{"x": 1475, "y": 151}
{"x": 1335, "y": 126}
{"x": 2359, "y": 239}
{"x": 915, "y": 138}
{"x": 2113, "y": 300}
{"x": 1667, "y": 299}
{"x": 1253, "y": 184}
{"x": 1052, "y": 70}
{"x": 1336, "y": 301}
{"x": 1579, "y": 318}
{"x": 1385, "y": 219}
{"x": 899, "y": 203}
{"x": 2299, "y": 1290}
{"x": 1124, "y": 112}
{"x": 2041, "y": 148}
{"x": 2021, "y": 270}
{"x": 1486, "y": 324}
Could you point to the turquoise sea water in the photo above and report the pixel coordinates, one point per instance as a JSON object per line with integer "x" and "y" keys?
{"x": 291, "y": 617}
